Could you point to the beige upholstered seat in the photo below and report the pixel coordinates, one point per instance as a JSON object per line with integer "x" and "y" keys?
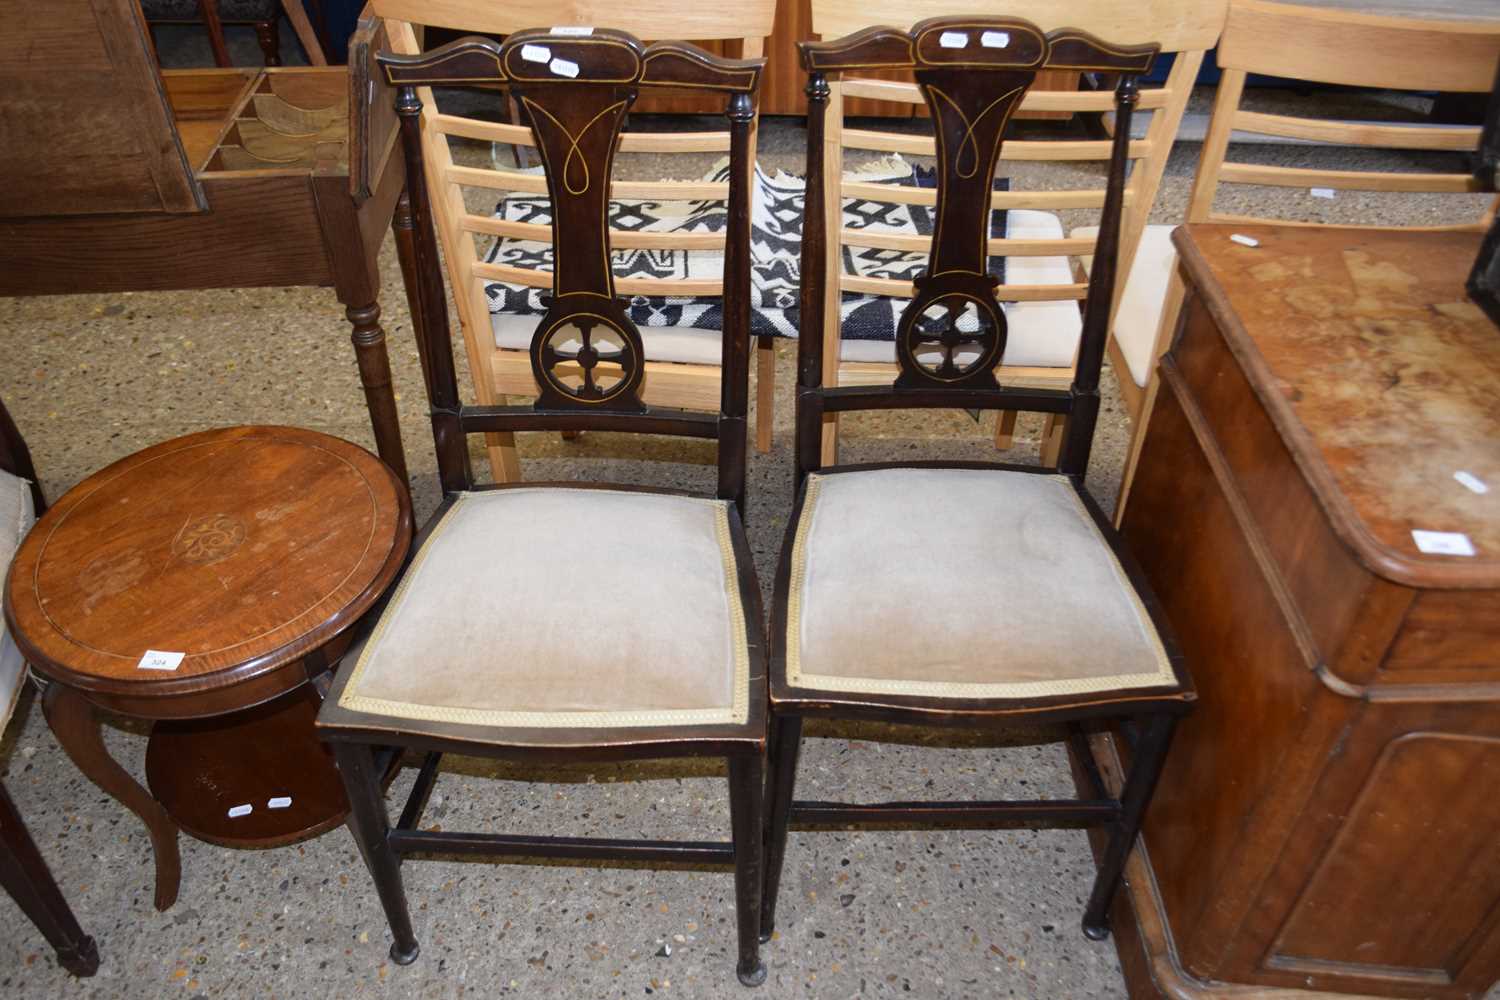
{"x": 16, "y": 516}
{"x": 1138, "y": 316}
{"x": 561, "y": 608}
{"x": 961, "y": 583}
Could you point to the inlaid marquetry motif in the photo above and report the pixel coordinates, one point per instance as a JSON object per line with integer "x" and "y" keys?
{"x": 208, "y": 538}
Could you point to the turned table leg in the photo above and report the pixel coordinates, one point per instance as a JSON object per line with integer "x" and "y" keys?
{"x": 25, "y": 877}
{"x": 76, "y": 726}
{"x": 375, "y": 376}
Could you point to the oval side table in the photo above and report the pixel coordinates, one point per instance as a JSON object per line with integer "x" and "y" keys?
{"x": 209, "y": 583}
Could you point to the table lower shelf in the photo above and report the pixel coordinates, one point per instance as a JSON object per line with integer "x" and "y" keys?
{"x": 267, "y": 758}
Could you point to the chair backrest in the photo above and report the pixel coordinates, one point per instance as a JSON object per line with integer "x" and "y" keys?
{"x": 16, "y": 459}
{"x": 586, "y": 354}
{"x": 1187, "y": 28}
{"x": 973, "y": 73}
{"x": 1344, "y": 48}
{"x": 466, "y": 237}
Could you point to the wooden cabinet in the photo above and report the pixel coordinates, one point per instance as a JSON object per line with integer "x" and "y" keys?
{"x": 1326, "y": 821}
{"x": 122, "y": 178}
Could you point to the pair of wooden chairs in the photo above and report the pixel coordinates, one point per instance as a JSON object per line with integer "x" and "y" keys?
{"x": 1057, "y": 187}
{"x": 1325, "y": 47}
{"x": 572, "y": 622}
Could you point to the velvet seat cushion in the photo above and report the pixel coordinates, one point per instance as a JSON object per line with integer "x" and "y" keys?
{"x": 1138, "y": 317}
{"x": 961, "y": 583}
{"x": 559, "y": 608}
{"x": 16, "y": 515}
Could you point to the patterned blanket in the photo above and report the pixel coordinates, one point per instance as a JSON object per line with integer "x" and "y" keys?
{"x": 776, "y": 246}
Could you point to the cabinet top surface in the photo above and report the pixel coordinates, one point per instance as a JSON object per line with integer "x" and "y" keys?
{"x": 1381, "y": 376}
{"x": 240, "y": 548}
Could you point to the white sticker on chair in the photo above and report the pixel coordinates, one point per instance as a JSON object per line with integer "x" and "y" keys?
{"x": 1472, "y": 482}
{"x": 564, "y": 67}
{"x": 995, "y": 39}
{"x": 235, "y": 812}
{"x": 1443, "y": 543}
{"x": 536, "y": 53}
{"x": 280, "y": 802}
{"x": 156, "y": 659}
{"x": 575, "y": 30}
{"x": 1243, "y": 240}
{"x": 1322, "y": 192}
{"x": 954, "y": 40}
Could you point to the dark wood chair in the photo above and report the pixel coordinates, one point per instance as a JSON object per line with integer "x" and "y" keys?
{"x": 965, "y": 594}
{"x": 262, "y": 15}
{"x": 568, "y": 622}
{"x": 23, "y": 871}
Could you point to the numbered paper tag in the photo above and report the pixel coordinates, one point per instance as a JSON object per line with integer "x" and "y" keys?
{"x": 280, "y": 802}
{"x": 1243, "y": 240}
{"x": 235, "y": 812}
{"x": 156, "y": 659}
{"x": 953, "y": 40}
{"x": 1443, "y": 543}
{"x": 1471, "y": 482}
{"x": 575, "y": 30}
{"x": 1322, "y": 192}
{"x": 995, "y": 39}
{"x": 536, "y": 53}
{"x": 564, "y": 67}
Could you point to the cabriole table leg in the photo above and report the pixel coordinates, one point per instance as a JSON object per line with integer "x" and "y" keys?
{"x": 76, "y": 725}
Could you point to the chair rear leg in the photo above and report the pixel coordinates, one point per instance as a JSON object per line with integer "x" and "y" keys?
{"x": 25, "y": 876}
{"x": 765, "y": 392}
{"x": 785, "y": 747}
{"x": 1150, "y": 754}
{"x": 371, "y": 825}
{"x": 746, "y": 788}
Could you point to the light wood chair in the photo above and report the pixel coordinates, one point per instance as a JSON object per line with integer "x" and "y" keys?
{"x": 574, "y": 622}
{"x": 1041, "y": 280}
{"x": 905, "y": 631}
{"x": 682, "y": 369}
{"x": 1327, "y": 46}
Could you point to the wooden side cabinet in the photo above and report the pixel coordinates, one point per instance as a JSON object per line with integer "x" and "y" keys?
{"x": 1327, "y": 820}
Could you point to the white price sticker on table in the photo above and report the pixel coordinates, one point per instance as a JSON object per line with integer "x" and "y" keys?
{"x": 156, "y": 659}
{"x": 575, "y": 30}
{"x": 1443, "y": 543}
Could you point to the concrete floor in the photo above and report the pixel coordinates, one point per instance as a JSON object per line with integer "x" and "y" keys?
{"x": 91, "y": 379}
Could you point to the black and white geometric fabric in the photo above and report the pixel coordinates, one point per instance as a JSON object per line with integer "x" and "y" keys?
{"x": 775, "y": 253}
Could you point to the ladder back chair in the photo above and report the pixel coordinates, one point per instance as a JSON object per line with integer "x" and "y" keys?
{"x": 868, "y": 632}
{"x": 1041, "y": 289}
{"x": 1322, "y": 46}
{"x": 23, "y": 870}
{"x": 682, "y": 367}
{"x": 530, "y": 624}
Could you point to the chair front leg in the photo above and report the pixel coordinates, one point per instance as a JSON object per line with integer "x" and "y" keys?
{"x": 371, "y": 826}
{"x": 785, "y": 747}
{"x": 746, "y": 788}
{"x": 1140, "y": 783}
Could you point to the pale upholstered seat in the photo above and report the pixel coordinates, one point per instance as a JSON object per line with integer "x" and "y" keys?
{"x": 1138, "y": 316}
{"x": 961, "y": 583}
{"x": 558, "y": 608}
{"x": 16, "y": 515}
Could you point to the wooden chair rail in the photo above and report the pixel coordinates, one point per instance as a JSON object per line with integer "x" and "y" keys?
{"x": 906, "y": 194}
{"x": 1004, "y": 293}
{"x": 532, "y": 278}
{"x": 1021, "y": 149}
{"x": 1458, "y": 138}
{"x": 1347, "y": 180}
{"x": 623, "y": 239}
{"x": 999, "y": 247}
